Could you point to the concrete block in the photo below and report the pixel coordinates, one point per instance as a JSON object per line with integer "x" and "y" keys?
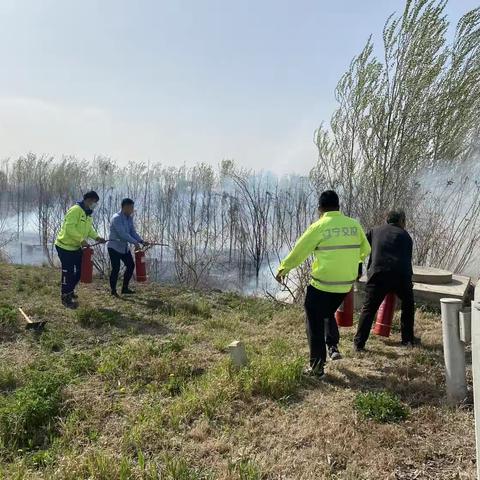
{"x": 432, "y": 276}
{"x": 425, "y": 293}
{"x": 238, "y": 355}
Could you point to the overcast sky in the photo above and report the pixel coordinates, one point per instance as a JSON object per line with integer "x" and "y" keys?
{"x": 179, "y": 81}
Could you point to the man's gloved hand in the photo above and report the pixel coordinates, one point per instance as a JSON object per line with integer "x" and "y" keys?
{"x": 100, "y": 240}
{"x": 84, "y": 244}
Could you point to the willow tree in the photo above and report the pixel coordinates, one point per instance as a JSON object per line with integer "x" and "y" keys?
{"x": 416, "y": 108}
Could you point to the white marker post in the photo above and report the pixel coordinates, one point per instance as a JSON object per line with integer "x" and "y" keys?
{"x": 453, "y": 351}
{"x": 238, "y": 354}
{"x": 475, "y": 329}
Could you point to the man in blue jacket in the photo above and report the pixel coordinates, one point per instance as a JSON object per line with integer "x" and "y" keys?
{"x": 122, "y": 232}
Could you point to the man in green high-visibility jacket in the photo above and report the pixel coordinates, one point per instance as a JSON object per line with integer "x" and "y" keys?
{"x": 339, "y": 246}
{"x": 76, "y": 228}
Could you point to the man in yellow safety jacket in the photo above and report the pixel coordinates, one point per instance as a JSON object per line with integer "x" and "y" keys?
{"x": 77, "y": 227}
{"x": 339, "y": 246}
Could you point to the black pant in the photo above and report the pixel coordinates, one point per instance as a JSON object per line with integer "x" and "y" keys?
{"x": 377, "y": 287}
{"x": 71, "y": 268}
{"x": 320, "y": 308}
{"x": 127, "y": 259}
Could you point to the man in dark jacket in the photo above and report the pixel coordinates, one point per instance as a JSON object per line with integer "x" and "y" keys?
{"x": 389, "y": 271}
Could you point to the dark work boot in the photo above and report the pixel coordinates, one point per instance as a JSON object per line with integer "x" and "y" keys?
{"x": 317, "y": 371}
{"x": 334, "y": 353}
{"x": 414, "y": 342}
{"x": 68, "y": 302}
{"x": 358, "y": 348}
{"x": 127, "y": 291}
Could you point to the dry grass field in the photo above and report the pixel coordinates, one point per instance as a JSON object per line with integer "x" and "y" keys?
{"x": 142, "y": 388}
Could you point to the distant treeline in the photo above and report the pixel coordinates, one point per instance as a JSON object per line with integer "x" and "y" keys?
{"x": 213, "y": 217}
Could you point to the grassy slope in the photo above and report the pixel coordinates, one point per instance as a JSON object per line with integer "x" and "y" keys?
{"x": 141, "y": 387}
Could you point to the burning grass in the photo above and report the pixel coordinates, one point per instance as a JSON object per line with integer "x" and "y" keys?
{"x": 146, "y": 391}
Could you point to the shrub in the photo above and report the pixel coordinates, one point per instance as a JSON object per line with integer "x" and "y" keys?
{"x": 382, "y": 407}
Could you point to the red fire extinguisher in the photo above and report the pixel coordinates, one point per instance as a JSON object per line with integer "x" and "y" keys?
{"x": 344, "y": 314}
{"x": 140, "y": 266}
{"x": 86, "y": 272}
{"x": 383, "y": 325}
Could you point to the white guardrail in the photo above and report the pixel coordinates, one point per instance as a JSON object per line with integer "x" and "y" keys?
{"x": 475, "y": 329}
{"x": 461, "y": 326}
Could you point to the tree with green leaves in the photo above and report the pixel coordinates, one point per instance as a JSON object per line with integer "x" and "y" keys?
{"x": 414, "y": 109}
{"x": 405, "y": 117}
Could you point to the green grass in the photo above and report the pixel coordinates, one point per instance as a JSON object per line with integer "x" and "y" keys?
{"x": 20, "y": 284}
{"x": 28, "y": 415}
{"x": 177, "y": 343}
{"x": 139, "y": 363}
{"x": 205, "y": 397}
{"x": 99, "y": 465}
{"x": 245, "y": 469}
{"x": 143, "y": 389}
{"x": 81, "y": 363}
{"x": 180, "y": 469}
{"x": 52, "y": 341}
{"x": 91, "y": 317}
{"x": 426, "y": 358}
{"x": 184, "y": 304}
{"x": 102, "y": 466}
{"x": 161, "y": 306}
{"x": 199, "y": 308}
{"x": 8, "y": 379}
{"x": 248, "y": 307}
{"x": 272, "y": 377}
{"x": 8, "y": 317}
{"x": 269, "y": 375}
{"x": 382, "y": 407}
